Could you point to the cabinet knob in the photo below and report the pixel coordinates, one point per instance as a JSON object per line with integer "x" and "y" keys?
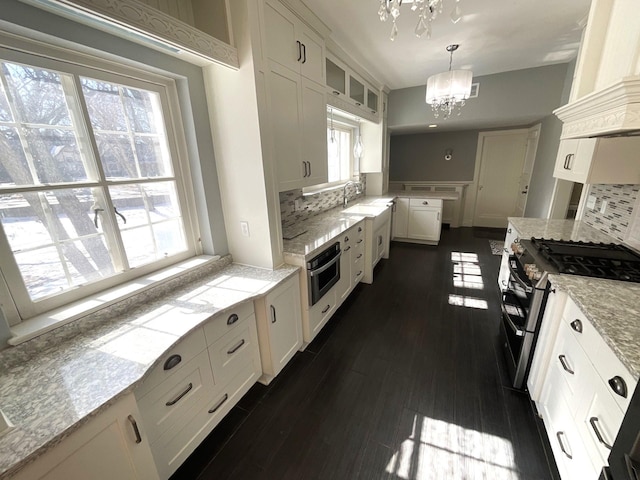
{"x": 619, "y": 386}
{"x": 577, "y": 325}
{"x": 172, "y": 361}
{"x": 425, "y": 203}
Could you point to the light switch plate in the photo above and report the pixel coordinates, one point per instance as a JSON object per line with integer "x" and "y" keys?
{"x": 591, "y": 202}
{"x": 244, "y": 227}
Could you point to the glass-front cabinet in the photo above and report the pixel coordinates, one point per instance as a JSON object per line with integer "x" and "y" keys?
{"x": 372, "y": 100}
{"x": 356, "y": 91}
{"x": 336, "y": 78}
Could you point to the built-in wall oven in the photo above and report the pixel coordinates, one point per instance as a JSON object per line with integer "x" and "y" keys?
{"x": 323, "y": 272}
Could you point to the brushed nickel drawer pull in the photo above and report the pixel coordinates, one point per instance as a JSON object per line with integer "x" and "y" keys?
{"x": 563, "y": 361}
{"x": 348, "y": 248}
{"x": 359, "y": 241}
{"x": 558, "y": 435}
{"x": 359, "y": 256}
{"x": 274, "y": 317}
{"x": 219, "y": 404}
{"x": 136, "y": 430}
{"x": 236, "y": 348}
{"x": 577, "y": 325}
{"x": 326, "y": 309}
{"x": 179, "y": 397}
{"x": 233, "y": 318}
{"x": 172, "y": 361}
{"x": 594, "y": 424}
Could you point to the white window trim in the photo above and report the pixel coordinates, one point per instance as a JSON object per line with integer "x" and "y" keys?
{"x": 15, "y": 48}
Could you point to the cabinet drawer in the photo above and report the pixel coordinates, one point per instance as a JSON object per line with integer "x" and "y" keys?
{"x": 581, "y": 328}
{"x": 599, "y": 416}
{"x": 571, "y": 364}
{"x": 173, "y": 361}
{"x": 172, "y": 402}
{"x": 174, "y": 446}
{"x": 612, "y": 374}
{"x": 319, "y": 313}
{"x": 569, "y": 451}
{"x": 225, "y": 322}
{"x": 425, "y": 202}
{"x": 234, "y": 351}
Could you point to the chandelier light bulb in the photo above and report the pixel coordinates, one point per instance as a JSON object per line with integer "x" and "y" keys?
{"x": 427, "y": 11}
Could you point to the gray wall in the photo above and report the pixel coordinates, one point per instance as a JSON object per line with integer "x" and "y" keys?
{"x": 420, "y": 157}
{"x": 37, "y": 23}
{"x": 519, "y": 97}
{"x": 542, "y": 180}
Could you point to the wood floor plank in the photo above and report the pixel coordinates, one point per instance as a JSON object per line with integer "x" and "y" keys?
{"x": 404, "y": 382}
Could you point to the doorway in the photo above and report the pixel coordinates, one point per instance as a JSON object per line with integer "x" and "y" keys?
{"x": 504, "y": 163}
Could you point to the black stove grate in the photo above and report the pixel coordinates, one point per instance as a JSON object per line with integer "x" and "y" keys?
{"x": 602, "y": 260}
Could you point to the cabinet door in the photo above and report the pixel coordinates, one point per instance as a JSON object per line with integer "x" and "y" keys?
{"x": 574, "y": 159}
{"x": 285, "y": 113}
{"x": 285, "y": 324}
{"x": 424, "y": 223}
{"x": 372, "y": 100}
{"x": 356, "y": 91}
{"x": 314, "y": 132}
{"x": 282, "y": 46}
{"x": 104, "y": 448}
{"x": 336, "y": 78}
{"x": 312, "y": 64}
{"x": 401, "y": 218}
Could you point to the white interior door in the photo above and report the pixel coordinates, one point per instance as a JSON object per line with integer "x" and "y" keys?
{"x": 527, "y": 170}
{"x": 502, "y": 159}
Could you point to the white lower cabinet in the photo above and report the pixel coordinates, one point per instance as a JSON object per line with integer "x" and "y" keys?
{"x": 377, "y": 236}
{"x": 582, "y": 402}
{"x": 196, "y": 383}
{"x": 111, "y": 445}
{"x": 418, "y": 220}
{"x": 279, "y": 327}
{"x": 319, "y": 314}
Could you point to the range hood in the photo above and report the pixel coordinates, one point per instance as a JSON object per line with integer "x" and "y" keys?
{"x": 612, "y": 111}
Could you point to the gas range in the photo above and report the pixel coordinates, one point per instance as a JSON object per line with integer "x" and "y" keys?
{"x": 600, "y": 260}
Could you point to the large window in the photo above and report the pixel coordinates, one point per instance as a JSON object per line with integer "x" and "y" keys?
{"x": 89, "y": 184}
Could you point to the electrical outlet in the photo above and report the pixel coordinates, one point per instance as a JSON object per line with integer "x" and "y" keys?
{"x": 591, "y": 202}
{"x": 603, "y": 206}
{"x": 244, "y": 227}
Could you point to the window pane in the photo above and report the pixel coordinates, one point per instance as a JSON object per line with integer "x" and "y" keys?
{"x": 37, "y": 94}
{"x": 14, "y": 169}
{"x": 56, "y": 156}
{"x": 153, "y": 228}
{"x": 5, "y": 113}
{"x": 141, "y": 150}
{"x": 55, "y": 231}
{"x": 339, "y": 154}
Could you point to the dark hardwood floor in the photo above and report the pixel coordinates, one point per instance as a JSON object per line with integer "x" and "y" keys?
{"x": 406, "y": 381}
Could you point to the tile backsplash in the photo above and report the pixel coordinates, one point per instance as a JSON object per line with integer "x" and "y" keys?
{"x": 311, "y": 205}
{"x": 618, "y": 215}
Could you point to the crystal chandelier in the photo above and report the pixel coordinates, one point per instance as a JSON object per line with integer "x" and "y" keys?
{"x": 448, "y": 91}
{"x": 427, "y": 10}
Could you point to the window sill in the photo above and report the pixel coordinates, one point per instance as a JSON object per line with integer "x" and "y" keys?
{"x": 107, "y": 302}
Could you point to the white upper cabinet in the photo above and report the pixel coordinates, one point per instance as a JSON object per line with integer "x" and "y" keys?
{"x": 297, "y": 99}
{"x": 599, "y": 160}
{"x": 292, "y": 44}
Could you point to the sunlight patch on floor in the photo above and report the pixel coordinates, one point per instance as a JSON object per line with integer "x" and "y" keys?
{"x": 439, "y": 450}
{"x": 469, "y": 302}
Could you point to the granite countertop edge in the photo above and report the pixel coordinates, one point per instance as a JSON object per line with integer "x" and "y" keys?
{"x": 11, "y": 466}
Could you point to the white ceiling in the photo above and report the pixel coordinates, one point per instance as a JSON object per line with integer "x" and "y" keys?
{"x": 494, "y": 36}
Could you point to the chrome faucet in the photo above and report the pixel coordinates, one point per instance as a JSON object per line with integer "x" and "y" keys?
{"x": 345, "y": 199}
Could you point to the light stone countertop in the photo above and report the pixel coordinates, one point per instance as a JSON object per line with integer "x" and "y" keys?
{"x": 613, "y": 307}
{"x": 51, "y": 385}
{"x": 327, "y": 226}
